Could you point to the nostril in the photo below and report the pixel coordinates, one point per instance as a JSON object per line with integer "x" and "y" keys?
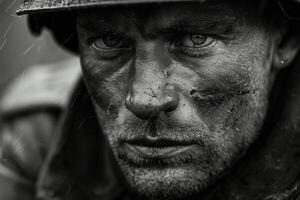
{"x": 192, "y": 92}
{"x": 129, "y": 99}
{"x": 141, "y": 109}
{"x": 170, "y": 102}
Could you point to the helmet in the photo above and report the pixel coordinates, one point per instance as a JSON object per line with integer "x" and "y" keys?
{"x": 36, "y": 6}
{"x": 33, "y": 6}
{"x": 41, "y": 14}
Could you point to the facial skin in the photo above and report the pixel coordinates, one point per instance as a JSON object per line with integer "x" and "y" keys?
{"x": 180, "y": 90}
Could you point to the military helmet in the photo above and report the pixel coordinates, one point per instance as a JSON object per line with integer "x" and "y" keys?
{"x": 41, "y": 14}
{"x": 33, "y": 6}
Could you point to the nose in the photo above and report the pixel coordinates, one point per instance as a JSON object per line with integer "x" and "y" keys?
{"x": 149, "y": 93}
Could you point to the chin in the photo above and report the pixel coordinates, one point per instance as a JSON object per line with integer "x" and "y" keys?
{"x": 177, "y": 178}
{"x": 166, "y": 183}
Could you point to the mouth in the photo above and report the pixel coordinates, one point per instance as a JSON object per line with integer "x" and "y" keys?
{"x": 159, "y": 149}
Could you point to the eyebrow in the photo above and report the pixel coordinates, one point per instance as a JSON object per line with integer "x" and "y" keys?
{"x": 203, "y": 24}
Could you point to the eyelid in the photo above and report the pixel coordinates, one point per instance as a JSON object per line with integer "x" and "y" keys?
{"x": 109, "y": 49}
{"x": 188, "y": 37}
{"x": 125, "y": 43}
{"x": 100, "y": 34}
{"x": 110, "y": 53}
{"x": 179, "y": 41}
{"x": 193, "y": 52}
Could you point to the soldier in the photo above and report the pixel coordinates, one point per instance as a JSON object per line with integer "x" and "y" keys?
{"x": 178, "y": 100}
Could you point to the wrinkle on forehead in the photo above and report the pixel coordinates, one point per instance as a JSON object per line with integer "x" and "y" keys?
{"x": 151, "y": 20}
{"x": 188, "y": 17}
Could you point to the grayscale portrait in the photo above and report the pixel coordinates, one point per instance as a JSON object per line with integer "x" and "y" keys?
{"x": 162, "y": 100}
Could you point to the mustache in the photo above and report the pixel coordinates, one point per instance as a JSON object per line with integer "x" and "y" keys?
{"x": 168, "y": 131}
{"x": 162, "y": 129}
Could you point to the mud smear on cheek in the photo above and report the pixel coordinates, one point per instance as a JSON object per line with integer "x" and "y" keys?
{"x": 220, "y": 82}
{"x": 105, "y": 81}
{"x": 207, "y": 98}
{"x": 214, "y": 102}
{"x": 213, "y": 98}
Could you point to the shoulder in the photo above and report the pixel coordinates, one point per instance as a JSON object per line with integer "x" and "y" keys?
{"x": 41, "y": 86}
{"x": 30, "y": 109}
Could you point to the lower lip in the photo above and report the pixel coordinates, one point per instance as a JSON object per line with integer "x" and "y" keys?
{"x": 156, "y": 152}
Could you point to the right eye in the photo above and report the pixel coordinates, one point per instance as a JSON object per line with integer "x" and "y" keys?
{"x": 111, "y": 46}
{"x": 111, "y": 42}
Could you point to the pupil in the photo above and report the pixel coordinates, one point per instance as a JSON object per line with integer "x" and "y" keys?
{"x": 111, "y": 40}
{"x": 198, "y": 39}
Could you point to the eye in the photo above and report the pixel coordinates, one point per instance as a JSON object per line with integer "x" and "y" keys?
{"x": 195, "y": 45}
{"x": 194, "y": 41}
{"x": 111, "y": 41}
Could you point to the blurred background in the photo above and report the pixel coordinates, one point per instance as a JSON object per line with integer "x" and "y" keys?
{"x": 18, "y": 48}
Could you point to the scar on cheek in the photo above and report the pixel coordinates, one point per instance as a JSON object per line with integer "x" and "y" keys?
{"x": 215, "y": 97}
{"x": 207, "y": 97}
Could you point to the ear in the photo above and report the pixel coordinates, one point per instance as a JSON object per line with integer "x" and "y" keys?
{"x": 286, "y": 50}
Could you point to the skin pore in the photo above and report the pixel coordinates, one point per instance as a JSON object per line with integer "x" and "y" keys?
{"x": 180, "y": 89}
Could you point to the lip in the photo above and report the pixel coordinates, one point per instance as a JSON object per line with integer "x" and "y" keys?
{"x": 155, "y": 152}
{"x": 156, "y": 148}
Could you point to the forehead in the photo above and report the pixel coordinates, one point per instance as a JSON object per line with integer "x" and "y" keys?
{"x": 167, "y": 13}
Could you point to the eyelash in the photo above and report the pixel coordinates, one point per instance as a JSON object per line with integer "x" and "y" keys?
{"x": 195, "y": 52}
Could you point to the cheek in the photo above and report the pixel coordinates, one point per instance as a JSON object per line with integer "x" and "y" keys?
{"x": 228, "y": 92}
{"x": 105, "y": 81}
{"x": 211, "y": 83}
{"x": 246, "y": 78}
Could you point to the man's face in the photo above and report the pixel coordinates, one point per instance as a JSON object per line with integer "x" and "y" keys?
{"x": 180, "y": 90}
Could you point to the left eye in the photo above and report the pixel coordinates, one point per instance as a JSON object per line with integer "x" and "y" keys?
{"x": 194, "y": 41}
{"x": 110, "y": 41}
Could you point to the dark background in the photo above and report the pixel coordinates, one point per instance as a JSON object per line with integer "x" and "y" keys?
{"x": 18, "y": 48}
